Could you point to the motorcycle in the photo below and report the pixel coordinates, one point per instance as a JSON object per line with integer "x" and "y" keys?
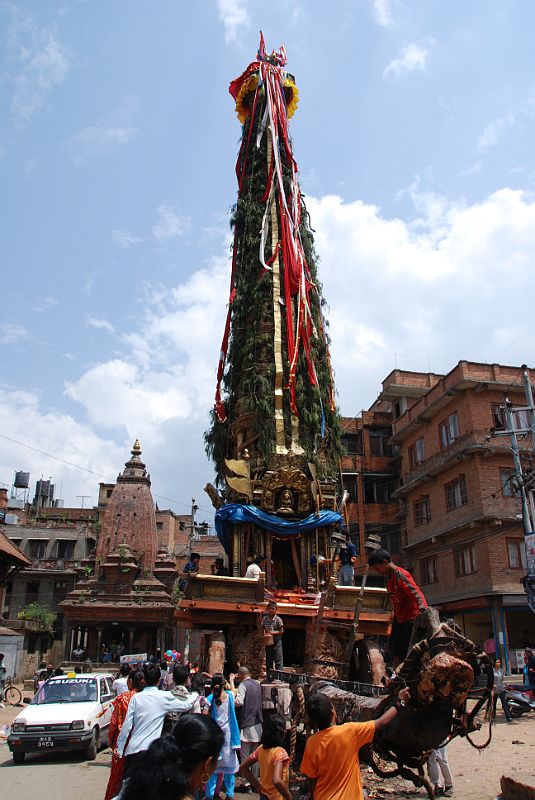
{"x": 520, "y": 702}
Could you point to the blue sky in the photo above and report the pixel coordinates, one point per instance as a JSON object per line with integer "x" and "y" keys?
{"x": 415, "y": 141}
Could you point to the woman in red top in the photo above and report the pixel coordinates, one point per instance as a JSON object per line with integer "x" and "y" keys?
{"x": 407, "y": 598}
{"x": 136, "y": 682}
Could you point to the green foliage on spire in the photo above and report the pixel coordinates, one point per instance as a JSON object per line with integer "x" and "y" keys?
{"x": 248, "y": 381}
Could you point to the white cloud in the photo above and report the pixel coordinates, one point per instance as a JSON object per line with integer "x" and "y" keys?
{"x": 89, "y": 282}
{"x": 422, "y": 292}
{"x": 125, "y": 239}
{"x": 44, "y": 304}
{"x": 100, "y": 324}
{"x": 39, "y": 63}
{"x": 98, "y": 140}
{"x": 167, "y": 373}
{"x": 436, "y": 287}
{"x": 413, "y": 57}
{"x": 59, "y": 434}
{"x": 107, "y": 134}
{"x": 382, "y": 12}
{"x": 170, "y": 224}
{"x": 234, "y": 16}
{"x": 525, "y": 110}
{"x": 10, "y": 333}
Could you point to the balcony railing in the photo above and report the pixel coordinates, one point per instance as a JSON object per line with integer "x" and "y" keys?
{"x": 476, "y": 440}
{"x": 60, "y": 564}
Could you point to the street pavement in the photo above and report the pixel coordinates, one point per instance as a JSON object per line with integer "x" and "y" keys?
{"x": 54, "y": 776}
{"x": 476, "y": 775}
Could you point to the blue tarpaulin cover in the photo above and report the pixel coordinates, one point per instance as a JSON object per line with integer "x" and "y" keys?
{"x": 235, "y": 512}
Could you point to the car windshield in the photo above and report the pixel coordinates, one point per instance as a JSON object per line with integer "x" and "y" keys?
{"x": 67, "y": 690}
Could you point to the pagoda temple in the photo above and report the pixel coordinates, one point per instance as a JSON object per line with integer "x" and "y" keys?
{"x": 123, "y": 595}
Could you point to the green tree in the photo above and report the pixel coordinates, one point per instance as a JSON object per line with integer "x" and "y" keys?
{"x": 42, "y": 616}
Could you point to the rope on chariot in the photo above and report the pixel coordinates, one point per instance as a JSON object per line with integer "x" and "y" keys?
{"x": 299, "y": 716}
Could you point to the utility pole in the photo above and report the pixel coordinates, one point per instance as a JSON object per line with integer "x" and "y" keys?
{"x": 187, "y": 635}
{"x": 525, "y": 483}
{"x": 83, "y": 497}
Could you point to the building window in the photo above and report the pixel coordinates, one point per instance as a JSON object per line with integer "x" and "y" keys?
{"x": 60, "y": 591}
{"x": 455, "y": 493}
{"x": 417, "y": 453}
{"x": 58, "y": 628}
{"x": 516, "y": 551}
{"x": 498, "y": 417}
{"x": 428, "y": 570}
{"x": 32, "y": 592}
{"x": 449, "y": 430}
{"x": 65, "y": 549}
{"x": 352, "y": 443}
{"x": 159, "y": 526}
{"x": 391, "y": 540}
{"x": 90, "y": 545}
{"x": 109, "y": 493}
{"x": 350, "y": 484}
{"x": 379, "y": 442}
{"x": 499, "y": 421}
{"x": 421, "y": 510}
{"x": 465, "y": 560}
{"x": 521, "y": 420}
{"x": 400, "y": 406}
{"x": 507, "y": 480}
{"x": 37, "y": 548}
{"x": 378, "y": 489}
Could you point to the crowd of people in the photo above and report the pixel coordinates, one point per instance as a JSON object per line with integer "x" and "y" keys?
{"x": 219, "y": 732}
{"x": 178, "y": 733}
{"x": 241, "y": 741}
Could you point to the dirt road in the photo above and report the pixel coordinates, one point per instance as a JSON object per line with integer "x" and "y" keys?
{"x": 476, "y": 775}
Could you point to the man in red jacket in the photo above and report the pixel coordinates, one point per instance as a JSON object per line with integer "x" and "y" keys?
{"x": 407, "y": 598}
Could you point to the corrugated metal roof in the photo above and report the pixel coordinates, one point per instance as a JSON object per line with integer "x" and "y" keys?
{"x": 11, "y": 552}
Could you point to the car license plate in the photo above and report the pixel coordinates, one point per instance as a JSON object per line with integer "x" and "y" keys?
{"x": 45, "y": 741}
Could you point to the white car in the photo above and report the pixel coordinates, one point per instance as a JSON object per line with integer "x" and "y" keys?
{"x": 69, "y": 712}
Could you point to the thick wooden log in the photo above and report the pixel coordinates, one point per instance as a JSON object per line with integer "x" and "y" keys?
{"x": 246, "y": 645}
{"x": 349, "y": 707}
{"x": 521, "y": 787}
{"x": 216, "y": 653}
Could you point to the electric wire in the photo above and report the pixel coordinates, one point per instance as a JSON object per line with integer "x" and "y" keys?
{"x": 97, "y": 474}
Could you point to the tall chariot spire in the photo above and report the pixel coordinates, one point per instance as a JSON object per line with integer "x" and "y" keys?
{"x": 275, "y": 392}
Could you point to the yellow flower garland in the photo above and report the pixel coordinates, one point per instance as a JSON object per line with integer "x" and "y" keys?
{"x": 294, "y": 101}
{"x": 250, "y": 85}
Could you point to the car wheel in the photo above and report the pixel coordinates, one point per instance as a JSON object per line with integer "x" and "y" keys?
{"x": 18, "y": 758}
{"x": 94, "y": 746}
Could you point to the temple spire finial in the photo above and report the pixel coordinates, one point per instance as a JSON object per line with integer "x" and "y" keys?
{"x": 136, "y": 449}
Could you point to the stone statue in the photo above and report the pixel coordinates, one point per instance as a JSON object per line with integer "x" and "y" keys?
{"x": 286, "y": 502}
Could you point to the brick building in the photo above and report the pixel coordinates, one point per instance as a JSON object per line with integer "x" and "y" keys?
{"x": 55, "y": 541}
{"x": 370, "y": 474}
{"x": 463, "y": 535}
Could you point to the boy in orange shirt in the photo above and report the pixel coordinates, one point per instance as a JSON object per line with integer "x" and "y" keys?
{"x": 331, "y": 758}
